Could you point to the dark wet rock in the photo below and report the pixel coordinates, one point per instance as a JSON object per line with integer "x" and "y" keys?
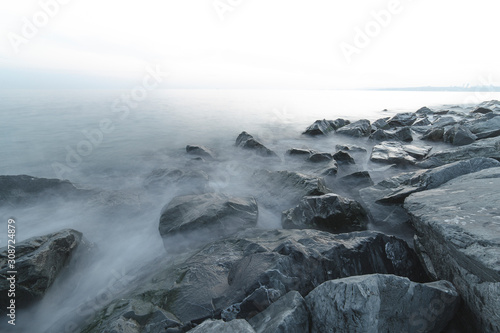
{"x": 288, "y": 314}
{"x": 401, "y": 134}
{"x": 458, "y": 239}
{"x": 357, "y": 129}
{"x": 200, "y": 151}
{"x": 402, "y": 119}
{"x": 485, "y": 127}
{"x": 246, "y": 141}
{"x": 330, "y": 170}
{"x": 182, "y": 182}
{"x": 482, "y": 110}
{"x": 482, "y": 148}
{"x": 396, "y": 153}
{"x": 433, "y": 134}
{"x": 424, "y": 111}
{"x": 329, "y": 212}
{"x": 220, "y": 326}
{"x": 381, "y": 124}
{"x": 356, "y": 180}
{"x": 22, "y": 189}
{"x": 323, "y": 127}
{"x": 424, "y": 121}
{"x": 381, "y": 303}
{"x": 459, "y": 135}
{"x": 300, "y": 152}
{"x": 206, "y": 216}
{"x": 444, "y": 121}
{"x": 38, "y": 262}
{"x": 198, "y": 285}
{"x": 320, "y": 157}
{"x": 343, "y": 157}
{"x": 350, "y": 148}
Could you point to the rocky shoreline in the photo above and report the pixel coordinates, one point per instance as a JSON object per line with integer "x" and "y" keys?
{"x": 412, "y": 245}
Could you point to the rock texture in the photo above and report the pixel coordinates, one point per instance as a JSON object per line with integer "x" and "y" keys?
{"x": 459, "y": 136}
{"x": 246, "y": 141}
{"x": 329, "y": 212}
{"x": 402, "y": 119}
{"x": 200, "y": 151}
{"x": 396, "y": 153}
{"x": 401, "y": 134}
{"x": 381, "y": 303}
{"x": 357, "y": 129}
{"x": 458, "y": 238}
{"x": 219, "y": 326}
{"x": 324, "y": 127}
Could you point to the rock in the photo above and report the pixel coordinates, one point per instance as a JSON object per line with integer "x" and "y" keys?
{"x": 329, "y": 212}
{"x": 320, "y": 157}
{"x": 343, "y": 157}
{"x": 381, "y": 124}
{"x": 459, "y": 135}
{"x": 381, "y": 303}
{"x": 350, "y": 148}
{"x": 444, "y": 121}
{"x": 396, "y": 153}
{"x": 424, "y": 111}
{"x": 323, "y": 127}
{"x": 200, "y": 151}
{"x": 401, "y": 134}
{"x": 482, "y": 110}
{"x": 246, "y": 141}
{"x": 39, "y": 261}
{"x": 357, "y": 129}
{"x": 402, "y": 119}
{"x": 485, "y": 127}
{"x": 424, "y": 121}
{"x": 200, "y": 284}
{"x": 210, "y": 215}
{"x": 288, "y": 314}
{"x": 356, "y": 180}
{"x": 182, "y": 182}
{"x": 219, "y": 326}
{"x": 330, "y": 170}
{"x": 24, "y": 189}
{"x": 482, "y": 148}
{"x": 458, "y": 238}
{"x": 300, "y": 152}
{"x": 433, "y": 134}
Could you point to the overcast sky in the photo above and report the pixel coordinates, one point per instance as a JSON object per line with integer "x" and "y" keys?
{"x": 249, "y": 43}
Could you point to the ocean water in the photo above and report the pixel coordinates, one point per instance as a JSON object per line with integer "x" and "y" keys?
{"x": 98, "y": 141}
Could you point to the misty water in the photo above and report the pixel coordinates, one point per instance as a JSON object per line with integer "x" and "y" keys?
{"x": 55, "y": 134}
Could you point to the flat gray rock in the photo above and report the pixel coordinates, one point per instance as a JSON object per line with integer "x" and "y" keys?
{"x": 396, "y": 153}
{"x": 381, "y": 303}
{"x": 458, "y": 237}
{"x": 219, "y": 326}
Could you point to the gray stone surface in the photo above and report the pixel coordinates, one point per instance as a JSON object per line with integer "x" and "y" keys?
{"x": 458, "y": 237}
{"x": 459, "y": 135}
{"x": 246, "y": 141}
{"x": 357, "y": 129}
{"x": 396, "y": 153}
{"x": 324, "y": 127}
{"x": 402, "y": 119}
{"x": 329, "y": 212}
{"x": 401, "y": 134}
{"x": 219, "y": 326}
{"x": 381, "y": 303}
{"x": 200, "y": 151}
{"x": 433, "y": 134}
{"x": 350, "y": 148}
{"x": 289, "y": 314}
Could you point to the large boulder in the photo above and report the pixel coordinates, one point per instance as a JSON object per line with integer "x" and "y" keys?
{"x": 246, "y": 141}
{"x": 482, "y": 148}
{"x": 458, "y": 238}
{"x": 323, "y": 127}
{"x": 357, "y": 129}
{"x": 38, "y": 262}
{"x": 201, "y": 284}
{"x": 381, "y": 303}
{"x": 433, "y": 134}
{"x": 401, "y": 134}
{"x": 289, "y": 314}
{"x": 487, "y": 126}
{"x": 402, "y": 119}
{"x": 206, "y": 216}
{"x": 220, "y": 326}
{"x": 444, "y": 121}
{"x": 396, "y": 153}
{"x": 329, "y": 212}
{"x": 459, "y": 135}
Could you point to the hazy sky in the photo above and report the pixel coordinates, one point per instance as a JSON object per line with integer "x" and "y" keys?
{"x": 249, "y": 43}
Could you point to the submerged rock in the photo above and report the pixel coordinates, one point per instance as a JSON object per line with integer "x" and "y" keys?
{"x": 246, "y": 141}
{"x": 381, "y": 303}
{"x": 206, "y": 216}
{"x": 357, "y": 129}
{"x": 458, "y": 239}
{"x": 39, "y": 261}
{"x": 329, "y": 212}
{"x": 300, "y": 152}
{"x": 200, "y": 151}
{"x": 320, "y": 157}
{"x": 343, "y": 157}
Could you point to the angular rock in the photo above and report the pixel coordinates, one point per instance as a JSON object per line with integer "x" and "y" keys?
{"x": 357, "y": 129}
{"x": 350, "y": 148}
{"x": 381, "y": 303}
{"x": 381, "y": 124}
{"x": 329, "y": 212}
{"x": 485, "y": 127}
{"x": 323, "y": 127}
{"x": 392, "y": 153}
{"x": 444, "y": 121}
{"x": 330, "y": 170}
{"x": 288, "y": 314}
{"x": 356, "y": 180}
{"x": 458, "y": 238}
{"x": 401, "y": 134}
{"x": 246, "y": 141}
{"x": 343, "y": 157}
{"x": 459, "y": 135}
{"x": 219, "y": 326}
{"x": 200, "y": 151}
{"x": 482, "y": 110}
{"x": 433, "y": 134}
{"x": 482, "y": 148}
{"x": 210, "y": 215}
{"x": 320, "y": 157}
{"x": 424, "y": 111}
{"x": 421, "y": 122}
{"x": 39, "y": 260}
{"x": 402, "y": 119}
{"x": 300, "y": 152}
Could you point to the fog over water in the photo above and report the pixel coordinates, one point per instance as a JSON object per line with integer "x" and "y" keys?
{"x": 55, "y": 134}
